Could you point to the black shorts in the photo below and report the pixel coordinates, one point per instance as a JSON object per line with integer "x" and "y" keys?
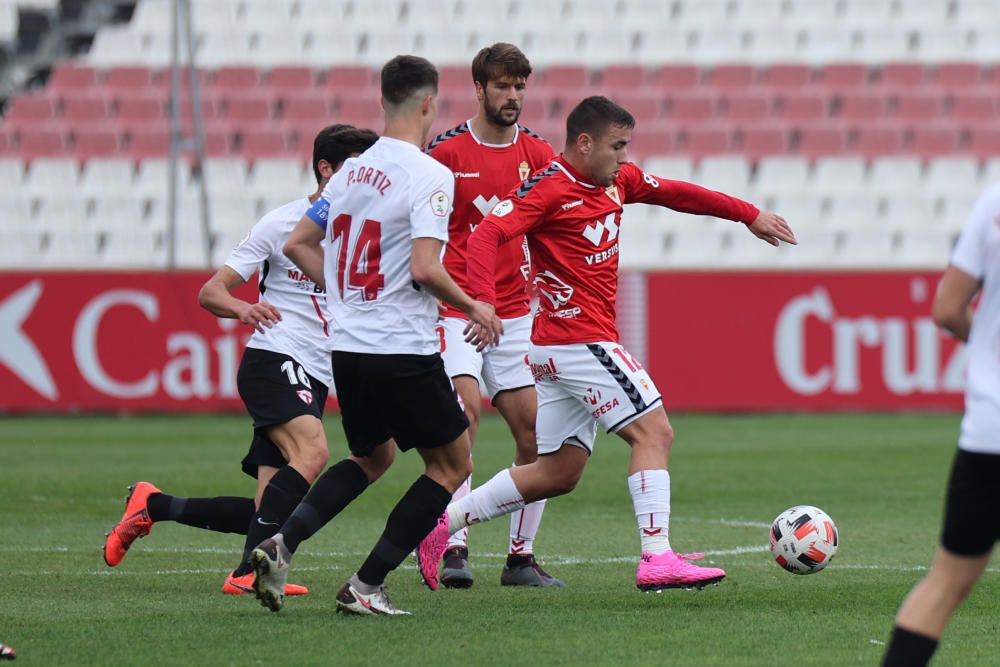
{"x": 972, "y": 506}
{"x": 271, "y": 399}
{"x": 408, "y": 397}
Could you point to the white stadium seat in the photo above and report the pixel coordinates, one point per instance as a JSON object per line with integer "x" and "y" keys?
{"x": 839, "y": 175}
{"x": 895, "y": 174}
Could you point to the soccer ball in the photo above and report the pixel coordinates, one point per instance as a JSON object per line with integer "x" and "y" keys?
{"x": 803, "y": 539}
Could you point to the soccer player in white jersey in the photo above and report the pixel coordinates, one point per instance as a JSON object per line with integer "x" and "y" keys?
{"x": 972, "y": 507}
{"x": 491, "y": 154}
{"x": 385, "y": 221}
{"x": 283, "y": 379}
{"x": 571, "y": 215}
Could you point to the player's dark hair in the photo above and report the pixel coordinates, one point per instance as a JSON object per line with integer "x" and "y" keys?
{"x": 594, "y": 116}
{"x": 499, "y": 60}
{"x": 336, "y": 143}
{"x": 404, "y": 75}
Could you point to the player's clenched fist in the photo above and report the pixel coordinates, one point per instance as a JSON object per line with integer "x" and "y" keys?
{"x": 772, "y": 228}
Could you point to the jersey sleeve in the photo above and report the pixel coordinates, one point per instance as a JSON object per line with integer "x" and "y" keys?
{"x": 644, "y": 188}
{"x": 509, "y": 219}
{"x": 255, "y": 247}
{"x": 432, "y": 198}
{"x": 970, "y": 252}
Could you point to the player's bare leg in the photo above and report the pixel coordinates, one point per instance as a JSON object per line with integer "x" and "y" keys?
{"x": 651, "y": 437}
{"x": 519, "y": 408}
{"x": 929, "y": 606}
{"x": 455, "y": 571}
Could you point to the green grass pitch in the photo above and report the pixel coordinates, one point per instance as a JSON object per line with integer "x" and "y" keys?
{"x": 880, "y": 477}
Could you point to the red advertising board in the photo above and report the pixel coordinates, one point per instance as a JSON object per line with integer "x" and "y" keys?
{"x": 713, "y": 341}
{"x": 800, "y": 341}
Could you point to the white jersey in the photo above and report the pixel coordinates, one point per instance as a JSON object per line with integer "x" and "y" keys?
{"x": 376, "y": 205}
{"x": 978, "y": 254}
{"x": 303, "y": 332}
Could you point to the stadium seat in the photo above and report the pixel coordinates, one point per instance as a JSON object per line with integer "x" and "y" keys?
{"x": 668, "y": 45}
{"x": 814, "y": 142}
{"x": 710, "y": 140}
{"x": 745, "y": 108}
{"x": 984, "y": 142}
{"x": 234, "y": 78}
{"x": 225, "y": 176}
{"x": 955, "y": 210}
{"x": 872, "y": 142}
{"x": 861, "y": 107}
{"x": 908, "y": 212}
{"x": 818, "y": 244}
{"x": 804, "y": 108}
{"x": 943, "y": 43}
{"x": 277, "y": 47}
{"x": 955, "y": 74}
{"x": 843, "y": 76}
{"x": 730, "y": 76}
{"x": 290, "y": 80}
{"x": 699, "y": 14}
{"x": 757, "y": 142}
{"x": 264, "y": 142}
{"x": 718, "y": 45}
{"x": 729, "y": 174}
{"x": 22, "y": 247}
{"x": 11, "y": 174}
{"x": 89, "y": 111}
{"x": 673, "y": 168}
{"x": 929, "y": 248}
{"x": 152, "y": 177}
{"x": 135, "y": 246}
{"x": 772, "y": 44}
{"x": 249, "y": 109}
{"x": 302, "y": 110}
{"x": 616, "y": 79}
{"x": 896, "y": 174}
{"x": 106, "y": 176}
{"x": 149, "y": 143}
{"x": 674, "y": 78}
{"x": 858, "y": 210}
{"x": 869, "y": 246}
{"x": 42, "y": 142}
{"x": 911, "y": 109}
{"x": 277, "y": 177}
{"x": 973, "y": 107}
{"x": 72, "y": 79}
{"x": 29, "y": 110}
{"x": 124, "y": 80}
{"x": 692, "y": 108}
{"x": 903, "y": 74}
{"x": 645, "y": 142}
{"x": 359, "y": 112}
{"x": 780, "y": 175}
{"x": 15, "y": 211}
{"x": 930, "y": 142}
{"x": 839, "y": 176}
{"x": 786, "y": 77}
{"x": 950, "y": 175}
{"x": 95, "y": 143}
{"x": 826, "y": 44}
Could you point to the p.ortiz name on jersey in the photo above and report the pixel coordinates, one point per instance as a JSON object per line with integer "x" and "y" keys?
{"x": 572, "y": 230}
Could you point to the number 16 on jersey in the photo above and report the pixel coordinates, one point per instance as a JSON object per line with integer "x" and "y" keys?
{"x": 362, "y": 241}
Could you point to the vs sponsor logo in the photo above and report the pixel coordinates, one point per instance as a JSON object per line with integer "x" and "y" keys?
{"x": 592, "y": 396}
{"x": 596, "y": 231}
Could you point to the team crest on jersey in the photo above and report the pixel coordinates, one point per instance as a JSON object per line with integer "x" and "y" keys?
{"x": 612, "y": 192}
{"x": 523, "y": 170}
{"x": 305, "y": 395}
{"x": 503, "y": 208}
{"x": 439, "y": 204}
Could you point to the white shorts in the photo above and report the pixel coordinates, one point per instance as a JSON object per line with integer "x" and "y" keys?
{"x": 585, "y": 384}
{"x": 499, "y": 367}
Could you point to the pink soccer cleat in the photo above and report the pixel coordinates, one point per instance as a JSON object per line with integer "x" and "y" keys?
{"x": 135, "y": 523}
{"x": 672, "y": 570}
{"x": 431, "y": 550}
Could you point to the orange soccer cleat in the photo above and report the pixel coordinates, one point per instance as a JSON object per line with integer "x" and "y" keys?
{"x": 244, "y": 586}
{"x": 135, "y": 523}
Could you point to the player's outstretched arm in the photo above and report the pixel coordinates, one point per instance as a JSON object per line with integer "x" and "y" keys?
{"x": 772, "y": 228}
{"x": 305, "y": 247}
{"x": 216, "y": 297}
{"x": 952, "y": 308}
{"x": 429, "y": 273}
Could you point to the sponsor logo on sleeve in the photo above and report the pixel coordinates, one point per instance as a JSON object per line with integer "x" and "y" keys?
{"x": 440, "y": 204}
{"x": 503, "y": 208}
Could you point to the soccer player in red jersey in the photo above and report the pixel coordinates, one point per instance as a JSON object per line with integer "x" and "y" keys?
{"x": 491, "y": 154}
{"x": 571, "y": 214}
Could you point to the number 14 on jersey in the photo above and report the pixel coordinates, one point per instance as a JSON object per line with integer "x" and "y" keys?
{"x": 363, "y": 271}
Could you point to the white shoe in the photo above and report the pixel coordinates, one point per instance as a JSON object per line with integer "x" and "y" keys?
{"x": 352, "y": 601}
{"x": 271, "y": 559}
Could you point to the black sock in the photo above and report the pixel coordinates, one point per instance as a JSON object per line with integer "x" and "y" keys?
{"x": 333, "y": 491}
{"x": 281, "y": 495}
{"x": 909, "y": 649}
{"x": 225, "y": 514}
{"x": 410, "y": 521}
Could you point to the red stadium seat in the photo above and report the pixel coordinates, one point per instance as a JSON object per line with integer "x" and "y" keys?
{"x": 291, "y": 80}
{"x": 360, "y": 112}
{"x": 42, "y": 142}
{"x": 139, "y": 109}
{"x": 6, "y": 143}
{"x": 72, "y": 78}
{"x": 916, "y": 107}
{"x": 311, "y": 109}
{"x": 804, "y": 107}
{"x": 984, "y": 143}
{"x": 841, "y": 76}
{"x": 814, "y": 142}
{"x": 624, "y": 78}
{"x": 674, "y": 77}
{"x": 698, "y": 142}
{"x": 265, "y": 142}
{"x": 235, "y": 77}
{"x": 128, "y": 79}
{"x": 29, "y": 110}
{"x": 641, "y": 105}
{"x": 748, "y": 107}
{"x": 646, "y": 142}
{"x": 861, "y": 106}
{"x": 973, "y": 107}
{"x": 875, "y": 141}
{"x": 248, "y": 110}
{"x": 96, "y": 143}
{"x": 693, "y": 108}
{"x": 759, "y": 142}
{"x": 903, "y": 75}
{"x": 928, "y": 142}
{"x": 454, "y": 79}
{"x": 730, "y": 76}
{"x": 86, "y": 110}
{"x": 786, "y": 75}
{"x": 149, "y": 143}
{"x": 957, "y": 74}
{"x": 566, "y": 77}
{"x": 218, "y": 143}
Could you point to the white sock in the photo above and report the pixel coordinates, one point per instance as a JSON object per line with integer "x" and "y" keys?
{"x": 495, "y": 498}
{"x": 524, "y": 527}
{"x": 460, "y": 539}
{"x": 650, "y": 491}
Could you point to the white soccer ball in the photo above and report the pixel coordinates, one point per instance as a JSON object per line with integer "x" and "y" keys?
{"x": 803, "y": 539}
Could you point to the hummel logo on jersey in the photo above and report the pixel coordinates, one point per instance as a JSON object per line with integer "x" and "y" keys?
{"x": 484, "y": 205}
{"x": 467, "y": 174}
{"x": 594, "y": 232}
{"x": 305, "y": 395}
{"x": 572, "y": 204}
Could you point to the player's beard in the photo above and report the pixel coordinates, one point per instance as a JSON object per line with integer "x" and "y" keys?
{"x": 495, "y": 115}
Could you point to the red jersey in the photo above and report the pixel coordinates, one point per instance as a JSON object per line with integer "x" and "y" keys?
{"x": 483, "y": 174}
{"x": 572, "y": 232}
